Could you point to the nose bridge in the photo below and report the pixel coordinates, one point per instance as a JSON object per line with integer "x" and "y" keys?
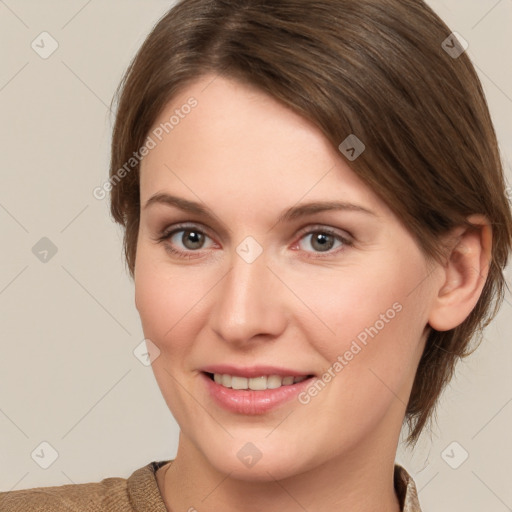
{"x": 248, "y": 302}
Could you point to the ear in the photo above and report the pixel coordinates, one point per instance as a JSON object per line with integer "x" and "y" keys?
{"x": 465, "y": 273}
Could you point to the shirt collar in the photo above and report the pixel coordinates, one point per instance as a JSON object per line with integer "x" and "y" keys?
{"x": 406, "y": 490}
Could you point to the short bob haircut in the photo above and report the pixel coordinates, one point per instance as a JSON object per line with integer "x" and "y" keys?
{"x": 378, "y": 69}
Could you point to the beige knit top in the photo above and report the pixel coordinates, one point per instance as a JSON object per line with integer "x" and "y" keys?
{"x": 137, "y": 493}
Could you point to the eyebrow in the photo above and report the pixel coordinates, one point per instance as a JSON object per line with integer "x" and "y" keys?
{"x": 292, "y": 213}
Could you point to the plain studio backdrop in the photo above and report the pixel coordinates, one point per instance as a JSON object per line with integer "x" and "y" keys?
{"x": 71, "y": 383}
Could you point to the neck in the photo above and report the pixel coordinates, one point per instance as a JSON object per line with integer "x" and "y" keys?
{"x": 360, "y": 481}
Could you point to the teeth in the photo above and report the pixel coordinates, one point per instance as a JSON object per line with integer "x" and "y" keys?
{"x": 255, "y": 383}
{"x": 239, "y": 382}
{"x": 258, "y": 383}
{"x": 274, "y": 381}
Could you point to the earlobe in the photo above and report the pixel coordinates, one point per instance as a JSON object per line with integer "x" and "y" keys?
{"x": 465, "y": 273}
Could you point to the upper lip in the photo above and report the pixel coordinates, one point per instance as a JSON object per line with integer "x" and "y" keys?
{"x": 252, "y": 371}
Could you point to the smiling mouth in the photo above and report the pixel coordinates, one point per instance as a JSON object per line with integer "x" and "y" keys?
{"x": 259, "y": 383}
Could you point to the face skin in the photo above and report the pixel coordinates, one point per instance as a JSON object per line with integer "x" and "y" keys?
{"x": 247, "y": 158}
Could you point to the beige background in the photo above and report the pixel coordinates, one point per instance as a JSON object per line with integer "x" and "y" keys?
{"x": 68, "y": 375}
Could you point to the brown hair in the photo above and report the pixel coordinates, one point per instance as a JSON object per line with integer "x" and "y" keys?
{"x": 373, "y": 68}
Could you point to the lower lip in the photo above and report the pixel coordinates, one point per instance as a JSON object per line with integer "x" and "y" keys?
{"x": 248, "y": 401}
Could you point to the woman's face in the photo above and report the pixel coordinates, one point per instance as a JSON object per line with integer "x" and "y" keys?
{"x": 261, "y": 285}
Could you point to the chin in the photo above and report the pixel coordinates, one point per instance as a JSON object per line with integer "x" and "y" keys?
{"x": 257, "y": 462}
{"x": 262, "y": 471}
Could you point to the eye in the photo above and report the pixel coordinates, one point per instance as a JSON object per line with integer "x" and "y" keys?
{"x": 322, "y": 239}
{"x": 192, "y": 239}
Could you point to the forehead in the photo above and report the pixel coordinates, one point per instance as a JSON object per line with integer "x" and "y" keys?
{"x": 220, "y": 138}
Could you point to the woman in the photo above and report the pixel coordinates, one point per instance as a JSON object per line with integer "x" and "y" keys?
{"x": 316, "y": 223}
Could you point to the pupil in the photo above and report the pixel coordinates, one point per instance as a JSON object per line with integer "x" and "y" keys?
{"x": 189, "y": 238}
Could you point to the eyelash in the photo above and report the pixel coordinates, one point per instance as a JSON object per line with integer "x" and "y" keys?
{"x": 190, "y": 254}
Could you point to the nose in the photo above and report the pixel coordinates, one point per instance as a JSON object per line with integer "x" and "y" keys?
{"x": 249, "y": 302}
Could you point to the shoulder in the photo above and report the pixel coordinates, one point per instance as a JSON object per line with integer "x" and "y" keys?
{"x": 88, "y": 496}
{"x": 111, "y": 494}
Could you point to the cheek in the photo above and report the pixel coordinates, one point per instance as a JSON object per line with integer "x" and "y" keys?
{"x": 369, "y": 318}
{"x": 167, "y": 299}
{"x": 352, "y": 302}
